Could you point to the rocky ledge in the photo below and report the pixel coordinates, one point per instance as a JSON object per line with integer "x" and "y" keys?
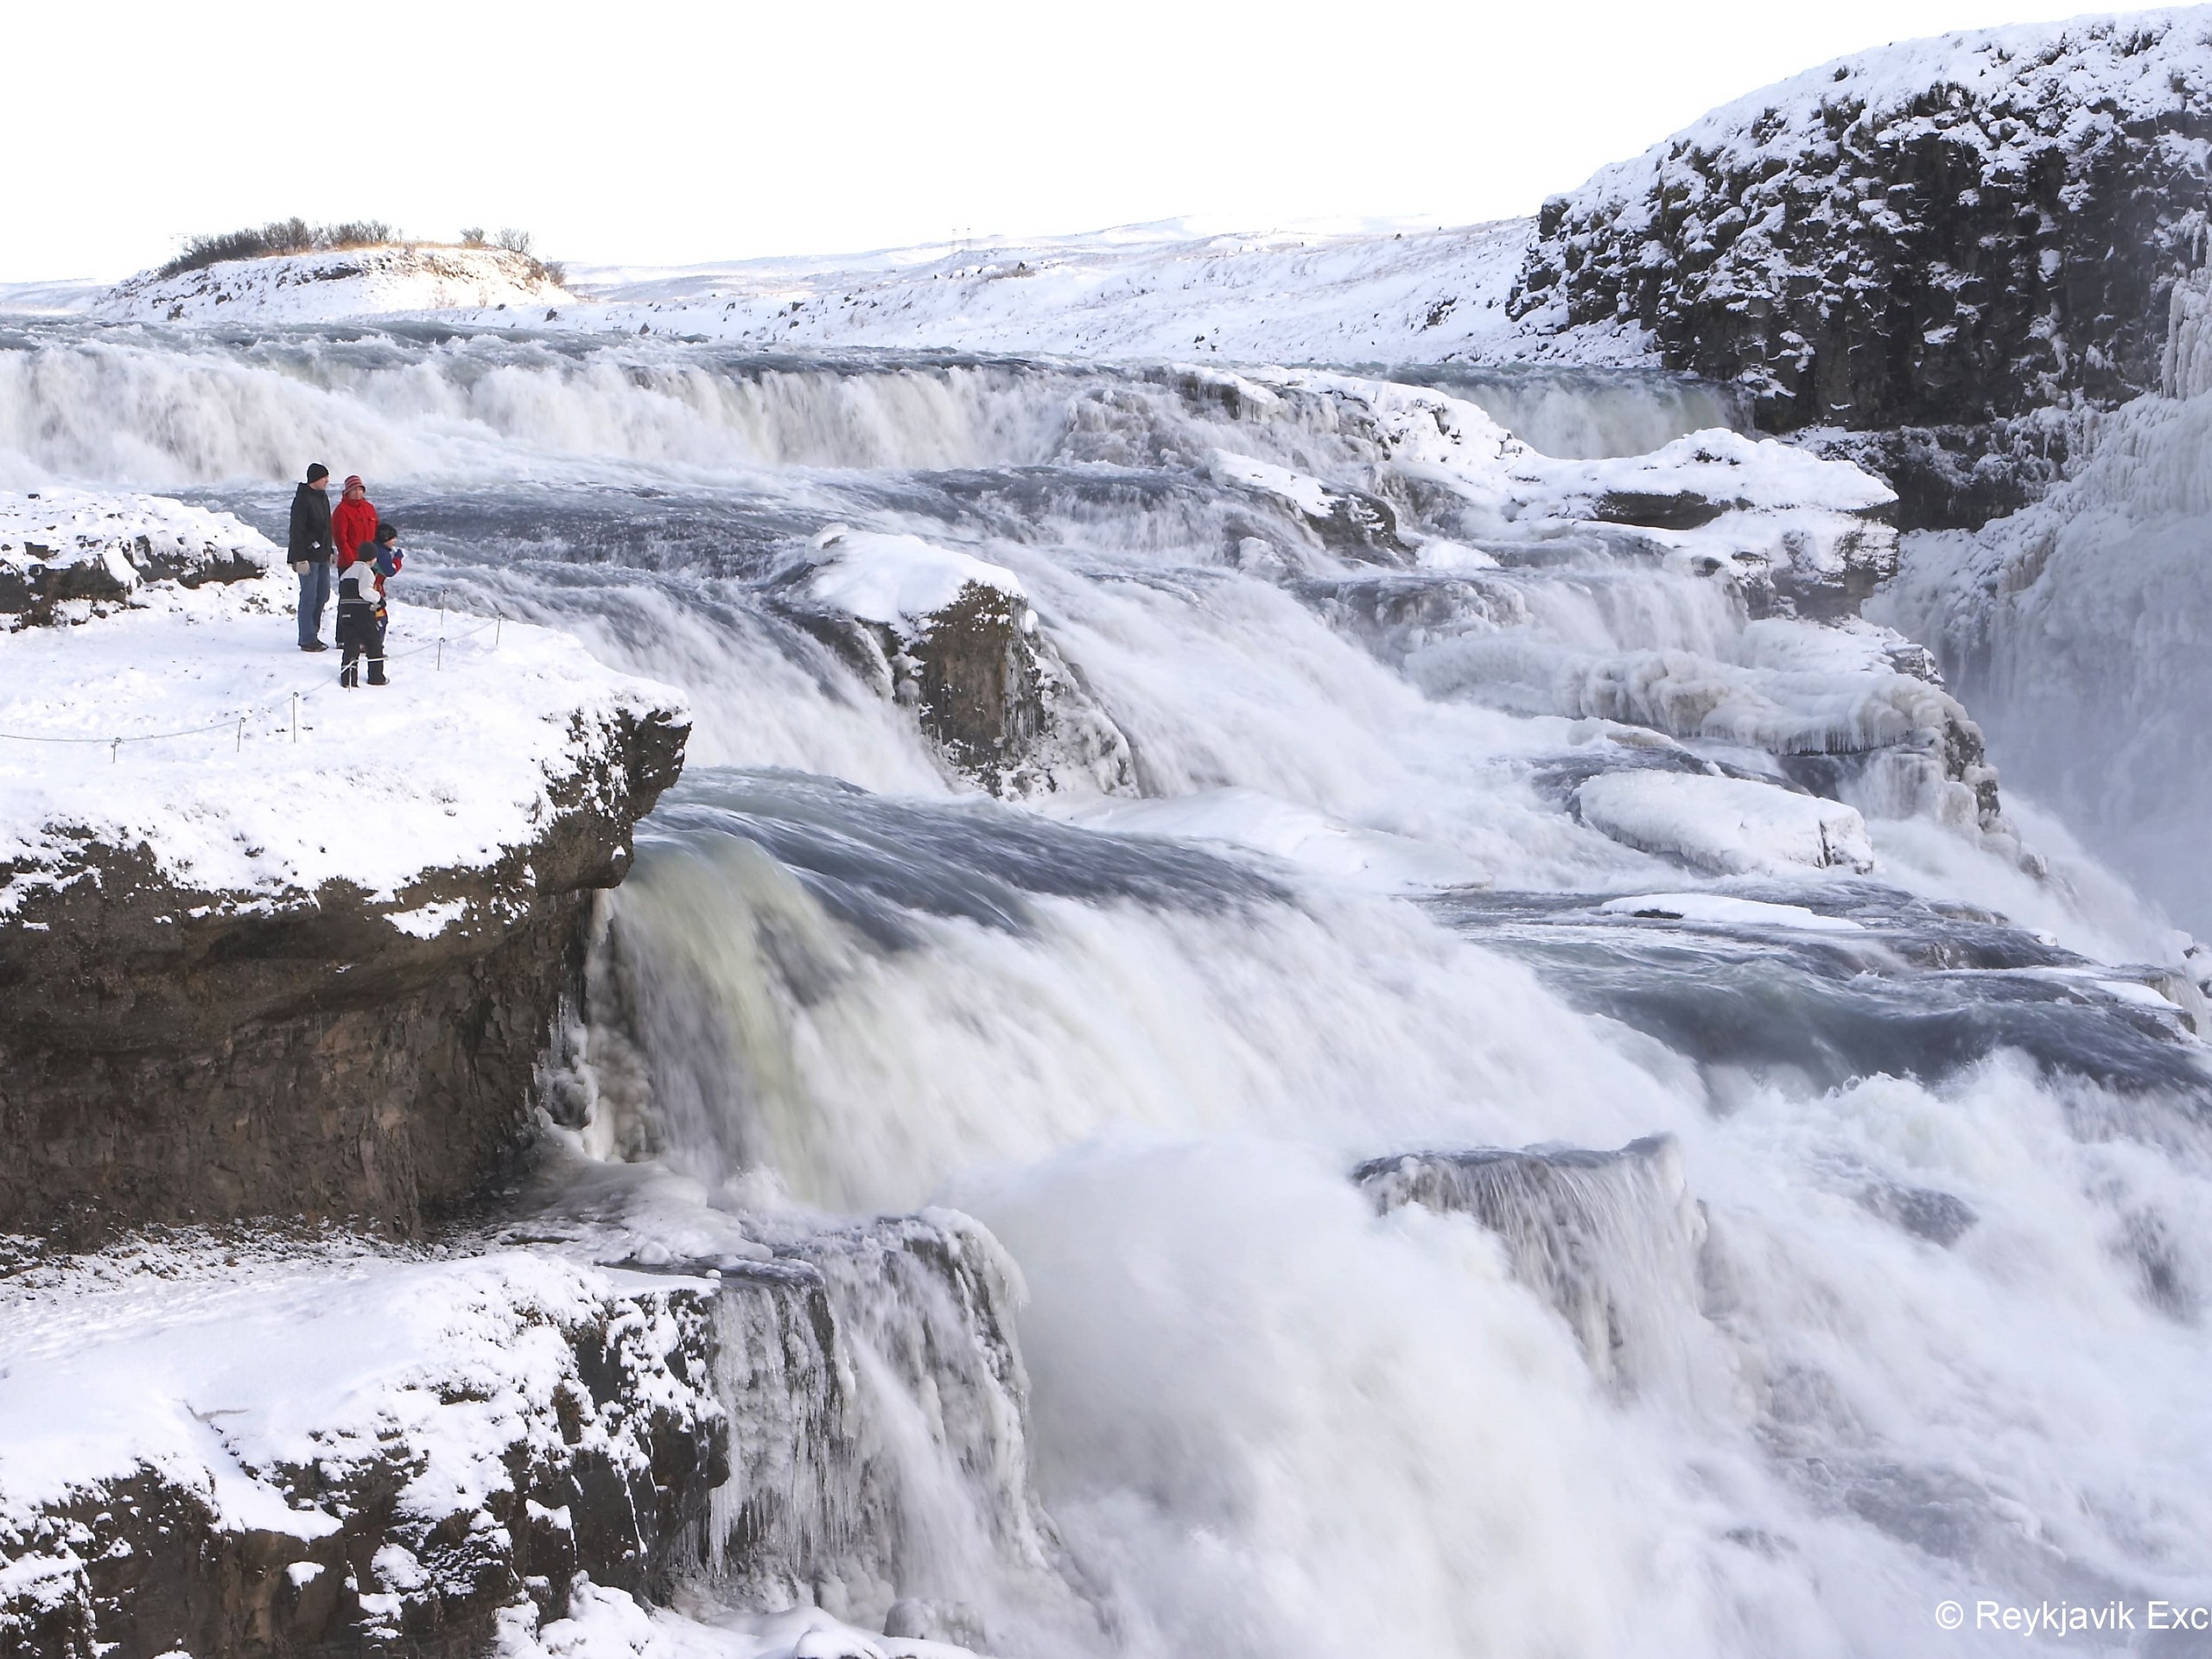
{"x": 273, "y": 947}
{"x": 292, "y": 1448}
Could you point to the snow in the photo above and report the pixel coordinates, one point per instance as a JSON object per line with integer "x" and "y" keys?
{"x": 169, "y": 723}
{"x": 608, "y": 1624}
{"x": 1309, "y": 495}
{"x": 428, "y": 921}
{"x": 1344, "y": 293}
{"x": 327, "y": 287}
{"x": 1732, "y": 468}
{"x": 899, "y": 579}
{"x": 58, "y": 527}
{"x": 1719, "y": 910}
{"x": 1779, "y": 508}
{"x": 61, "y": 298}
{"x": 1730, "y": 826}
{"x": 1356, "y": 294}
{"x": 216, "y": 1363}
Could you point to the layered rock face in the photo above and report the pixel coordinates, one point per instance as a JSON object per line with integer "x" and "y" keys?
{"x": 1934, "y": 239}
{"x": 267, "y": 948}
{"x": 547, "y": 1427}
{"x": 169, "y": 1053}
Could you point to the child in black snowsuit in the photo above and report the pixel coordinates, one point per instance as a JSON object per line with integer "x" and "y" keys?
{"x": 361, "y": 615}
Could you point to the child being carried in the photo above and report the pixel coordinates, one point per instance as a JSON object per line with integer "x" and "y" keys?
{"x": 361, "y": 615}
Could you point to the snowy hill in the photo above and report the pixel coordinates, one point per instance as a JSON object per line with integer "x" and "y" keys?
{"x": 1329, "y": 295}
{"x": 322, "y": 287}
{"x": 1940, "y": 231}
{"x": 1390, "y": 295}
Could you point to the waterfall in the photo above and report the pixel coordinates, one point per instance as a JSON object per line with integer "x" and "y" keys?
{"x": 1609, "y": 1239}
{"x": 877, "y": 1402}
{"x": 2076, "y": 628}
{"x": 1017, "y": 1133}
{"x": 1589, "y": 412}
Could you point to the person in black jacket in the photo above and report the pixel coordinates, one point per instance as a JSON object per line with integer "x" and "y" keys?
{"x": 310, "y": 553}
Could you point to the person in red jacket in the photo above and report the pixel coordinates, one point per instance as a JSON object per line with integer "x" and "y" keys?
{"x": 354, "y": 523}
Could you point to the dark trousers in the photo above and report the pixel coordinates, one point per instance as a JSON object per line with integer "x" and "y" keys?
{"x": 360, "y": 633}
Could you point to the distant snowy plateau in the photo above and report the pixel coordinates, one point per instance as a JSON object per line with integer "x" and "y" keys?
{"x": 1378, "y": 939}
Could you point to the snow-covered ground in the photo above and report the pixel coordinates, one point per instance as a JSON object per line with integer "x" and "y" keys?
{"x": 187, "y": 721}
{"x": 1404, "y": 295}
{"x": 61, "y": 544}
{"x": 321, "y": 287}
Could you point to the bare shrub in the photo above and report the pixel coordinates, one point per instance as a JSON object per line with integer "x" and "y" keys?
{"x": 278, "y": 236}
{"x": 297, "y": 236}
{"x": 357, "y": 233}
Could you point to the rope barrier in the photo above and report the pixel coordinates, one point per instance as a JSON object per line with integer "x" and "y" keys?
{"x": 240, "y": 718}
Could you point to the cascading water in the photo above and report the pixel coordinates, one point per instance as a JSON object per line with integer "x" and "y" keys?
{"x": 2078, "y": 625}
{"x": 1588, "y": 412}
{"x": 1934, "y": 1190}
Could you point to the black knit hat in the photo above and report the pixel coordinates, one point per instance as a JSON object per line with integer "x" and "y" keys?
{"x": 316, "y": 469}
{"x": 387, "y": 532}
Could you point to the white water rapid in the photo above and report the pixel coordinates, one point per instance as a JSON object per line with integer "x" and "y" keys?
{"x": 1907, "y": 1307}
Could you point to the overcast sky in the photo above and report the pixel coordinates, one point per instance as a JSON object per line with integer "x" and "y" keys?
{"x": 669, "y": 132}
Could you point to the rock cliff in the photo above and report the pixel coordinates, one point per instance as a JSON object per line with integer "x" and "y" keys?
{"x": 270, "y": 947}
{"x": 171, "y": 1053}
{"x": 1933, "y": 239}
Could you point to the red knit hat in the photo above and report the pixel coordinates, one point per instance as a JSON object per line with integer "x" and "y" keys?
{"x": 353, "y": 481}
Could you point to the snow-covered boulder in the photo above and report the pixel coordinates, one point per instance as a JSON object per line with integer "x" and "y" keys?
{"x": 1730, "y": 826}
{"x": 229, "y": 886}
{"x": 1936, "y": 230}
{"x": 347, "y": 283}
{"x": 67, "y": 555}
{"x": 954, "y": 637}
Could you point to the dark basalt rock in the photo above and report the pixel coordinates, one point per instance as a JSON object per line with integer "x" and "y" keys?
{"x": 979, "y": 691}
{"x": 146, "y": 1565}
{"x": 44, "y": 577}
{"x": 988, "y": 688}
{"x": 168, "y": 1054}
{"x": 1685, "y": 510}
{"x": 2003, "y": 238}
{"x": 1959, "y": 477}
